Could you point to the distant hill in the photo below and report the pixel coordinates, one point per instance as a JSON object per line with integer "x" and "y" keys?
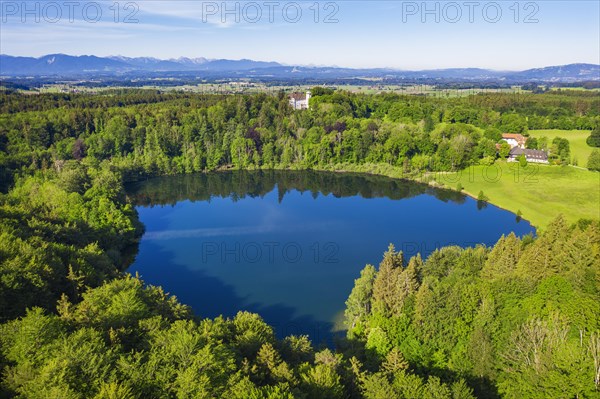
{"x": 57, "y": 64}
{"x": 571, "y": 72}
{"x": 69, "y": 66}
{"x": 62, "y": 64}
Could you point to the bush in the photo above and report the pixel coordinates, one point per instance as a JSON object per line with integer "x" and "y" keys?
{"x": 481, "y": 197}
{"x": 594, "y": 161}
{"x": 594, "y": 139}
{"x": 487, "y": 161}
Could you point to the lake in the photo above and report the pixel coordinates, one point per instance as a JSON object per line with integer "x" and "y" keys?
{"x": 289, "y": 244}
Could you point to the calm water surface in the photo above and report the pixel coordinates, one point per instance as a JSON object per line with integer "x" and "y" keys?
{"x": 288, "y": 245}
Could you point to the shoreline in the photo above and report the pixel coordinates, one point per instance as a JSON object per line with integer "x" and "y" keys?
{"x": 393, "y": 172}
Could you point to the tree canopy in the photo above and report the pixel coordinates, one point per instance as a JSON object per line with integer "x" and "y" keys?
{"x": 520, "y": 319}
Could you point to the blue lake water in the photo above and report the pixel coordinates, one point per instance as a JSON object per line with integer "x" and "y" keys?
{"x": 288, "y": 245}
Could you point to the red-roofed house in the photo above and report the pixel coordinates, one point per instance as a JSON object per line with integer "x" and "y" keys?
{"x": 514, "y": 139}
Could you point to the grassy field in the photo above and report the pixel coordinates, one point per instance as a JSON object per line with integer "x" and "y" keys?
{"x": 540, "y": 192}
{"x": 579, "y": 148}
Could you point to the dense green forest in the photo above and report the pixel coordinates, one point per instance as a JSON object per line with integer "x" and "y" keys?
{"x": 521, "y": 319}
{"x": 148, "y": 133}
{"x": 76, "y": 327}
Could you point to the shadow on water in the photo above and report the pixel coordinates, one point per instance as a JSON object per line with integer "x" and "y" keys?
{"x": 210, "y": 297}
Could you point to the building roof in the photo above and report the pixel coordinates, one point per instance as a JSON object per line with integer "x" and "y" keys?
{"x": 515, "y": 136}
{"x": 529, "y": 154}
{"x": 536, "y": 154}
{"x": 516, "y": 151}
{"x": 298, "y": 96}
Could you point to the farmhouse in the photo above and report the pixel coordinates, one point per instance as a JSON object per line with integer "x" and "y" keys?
{"x": 535, "y": 156}
{"x": 514, "y": 140}
{"x": 300, "y": 101}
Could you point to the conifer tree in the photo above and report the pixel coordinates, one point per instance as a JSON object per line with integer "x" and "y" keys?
{"x": 358, "y": 305}
{"x": 545, "y": 257}
{"x": 503, "y": 258}
{"x": 410, "y": 277}
{"x": 386, "y": 284}
{"x": 394, "y": 362}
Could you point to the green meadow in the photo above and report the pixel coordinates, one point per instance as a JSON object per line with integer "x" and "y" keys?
{"x": 580, "y": 151}
{"x": 539, "y": 192}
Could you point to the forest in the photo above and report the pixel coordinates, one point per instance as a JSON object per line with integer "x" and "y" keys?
{"x": 519, "y": 319}
{"x": 146, "y": 133}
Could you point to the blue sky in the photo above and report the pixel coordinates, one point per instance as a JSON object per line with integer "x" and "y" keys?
{"x": 398, "y": 34}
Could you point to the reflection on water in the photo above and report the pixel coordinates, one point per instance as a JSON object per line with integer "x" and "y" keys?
{"x": 289, "y": 244}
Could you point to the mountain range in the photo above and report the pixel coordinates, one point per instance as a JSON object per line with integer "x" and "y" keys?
{"x": 62, "y": 65}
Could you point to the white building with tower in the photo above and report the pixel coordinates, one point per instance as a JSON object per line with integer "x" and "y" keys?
{"x": 300, "y": 101}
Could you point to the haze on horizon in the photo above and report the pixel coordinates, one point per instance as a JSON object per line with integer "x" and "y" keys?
{"x": 384, "y": 34}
